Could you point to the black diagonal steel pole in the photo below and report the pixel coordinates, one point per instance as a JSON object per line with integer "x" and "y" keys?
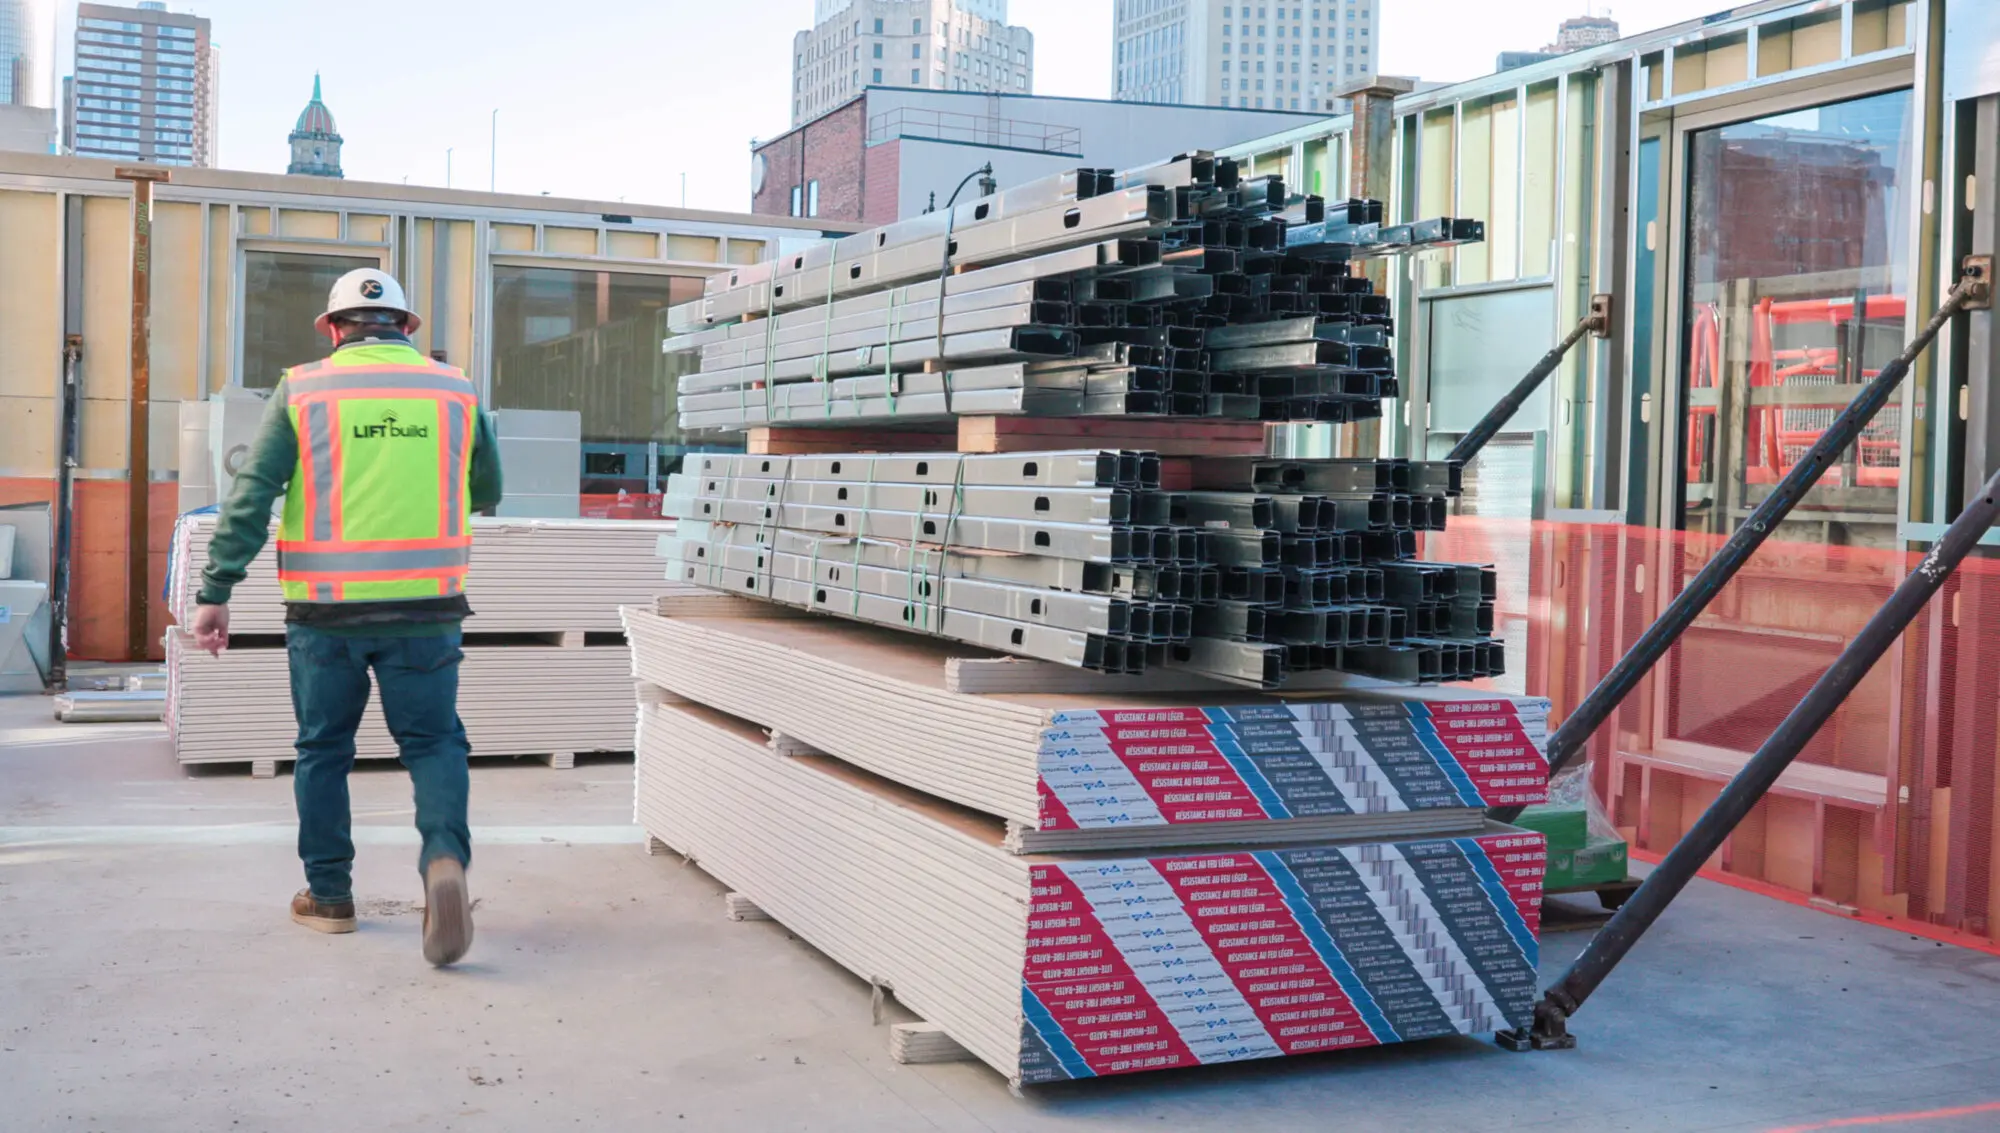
{"x": 1488, "y": 426}
{"x": 1617, "y": 937}
{"x": 1569, "y": 740}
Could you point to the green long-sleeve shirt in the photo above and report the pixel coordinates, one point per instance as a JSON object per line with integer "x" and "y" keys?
{"x": 244, "y": 523}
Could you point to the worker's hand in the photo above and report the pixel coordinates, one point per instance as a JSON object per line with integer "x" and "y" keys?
{"x": 211, "y": 629}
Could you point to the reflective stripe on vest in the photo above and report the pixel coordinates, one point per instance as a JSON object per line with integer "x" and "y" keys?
{"x": 380, "y": 499}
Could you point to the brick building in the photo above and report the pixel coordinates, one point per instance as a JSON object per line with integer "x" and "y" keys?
{"x": 880, "y": 156}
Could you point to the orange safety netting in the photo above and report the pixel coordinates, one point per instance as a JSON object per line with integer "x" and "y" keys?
{"x": 1890, "y": 810}
{"x": 620, "y": 505}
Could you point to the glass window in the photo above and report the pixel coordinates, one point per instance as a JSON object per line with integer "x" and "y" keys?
{"x": 283, "y": 292}
{"x": 1796, "y": 278}
{"x": 589, "y": 341}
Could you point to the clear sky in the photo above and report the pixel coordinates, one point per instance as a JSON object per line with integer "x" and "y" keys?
{"x": 617, "y": 99}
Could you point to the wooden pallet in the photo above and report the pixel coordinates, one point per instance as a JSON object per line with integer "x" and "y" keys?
{"x": 796, "y": 441}
{"x": 1024, "y": 434}
{"x": 1610, "y": 894}
{"x": 268, "y": 768}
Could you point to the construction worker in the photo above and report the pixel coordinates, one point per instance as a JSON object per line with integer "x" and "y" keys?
{"x": 381, "y": 455}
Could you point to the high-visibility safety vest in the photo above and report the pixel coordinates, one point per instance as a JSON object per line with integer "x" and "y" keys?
{"x": 379, "y": 505}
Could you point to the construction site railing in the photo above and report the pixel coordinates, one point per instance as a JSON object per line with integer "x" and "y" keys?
{"x": 1550, "y": 1026}
{"x": 1973, "y": 289}
{"x": 1550, "y": 1029}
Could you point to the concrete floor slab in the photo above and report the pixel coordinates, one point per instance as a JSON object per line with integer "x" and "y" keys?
{"x": 149, "y": 980}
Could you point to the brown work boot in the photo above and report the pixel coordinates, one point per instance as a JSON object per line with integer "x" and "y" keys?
{"x": 447, "y": 912}
{"x": 322, "y": 916}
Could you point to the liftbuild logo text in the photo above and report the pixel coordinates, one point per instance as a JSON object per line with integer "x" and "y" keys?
{"x": 390, "y": 427}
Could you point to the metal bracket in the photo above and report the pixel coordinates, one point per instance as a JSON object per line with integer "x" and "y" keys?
{"x": 1978, "y": 270}
{"x": 1550, "y": 1030}
{"x": 1599, "y": 318}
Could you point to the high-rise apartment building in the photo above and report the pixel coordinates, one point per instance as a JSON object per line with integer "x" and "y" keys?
{"x": 1260, "y": 56}
{"x": 144, "y": 88}
{"x": 929, "y": 44}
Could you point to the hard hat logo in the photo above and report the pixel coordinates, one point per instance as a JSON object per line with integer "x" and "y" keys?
{"x": 367, "y": 289}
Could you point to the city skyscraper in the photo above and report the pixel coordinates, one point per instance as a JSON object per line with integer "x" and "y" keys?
{"x": 27, "y": 92}
{"x": 934, "y": 44}
{"x": 315, "y": 141}
{"x": 144, "y": 88}
{"x": 1263, "y": 56}
{"x": 1579, "y": 32}
{"x": 27, "y": 53}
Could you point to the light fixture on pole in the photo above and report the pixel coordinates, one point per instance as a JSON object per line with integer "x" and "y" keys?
{"x": 447, "y": 167}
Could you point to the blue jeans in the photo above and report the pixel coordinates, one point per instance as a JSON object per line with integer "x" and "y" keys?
{"x": 419, "y": 679}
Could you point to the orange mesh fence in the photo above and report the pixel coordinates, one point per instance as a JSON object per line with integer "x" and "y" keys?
{"x": 622, "y": 505}
{"x": 1893, "y": 806}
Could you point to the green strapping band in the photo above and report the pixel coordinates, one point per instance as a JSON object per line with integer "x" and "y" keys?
{"x": 776, "y": 518}
{"x": 854, "y": 572}
{"x": 812, "y": 576}
{"x": 951, "y": 524}
{"x": 854, "y": 581}
{"x": 889, "y": 353}
{"x": 822, "y": 365}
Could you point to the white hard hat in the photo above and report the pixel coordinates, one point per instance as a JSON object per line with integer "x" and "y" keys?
{"x": 366, "y": 289}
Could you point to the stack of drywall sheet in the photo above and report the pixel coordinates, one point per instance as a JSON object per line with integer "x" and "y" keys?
{"x": 1093, "y": 769}
{"x": 528, "y": 575}
{"x": 1053, "y": 967}
{"x": 514, "y": 699}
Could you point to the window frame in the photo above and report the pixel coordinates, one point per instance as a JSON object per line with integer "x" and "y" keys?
{"x": 239, "y": 322}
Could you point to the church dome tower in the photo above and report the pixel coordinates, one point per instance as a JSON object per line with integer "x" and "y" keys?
{"x": 315, "y": 142}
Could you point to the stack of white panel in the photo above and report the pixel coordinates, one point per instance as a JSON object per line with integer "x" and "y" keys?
{"x": 1108, "y": 769}
{"x": 514, "y": 700}
{"x": 1051, "y": 967}
{"x": 528, "y": 575}
{"x": 545, "y": 671}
